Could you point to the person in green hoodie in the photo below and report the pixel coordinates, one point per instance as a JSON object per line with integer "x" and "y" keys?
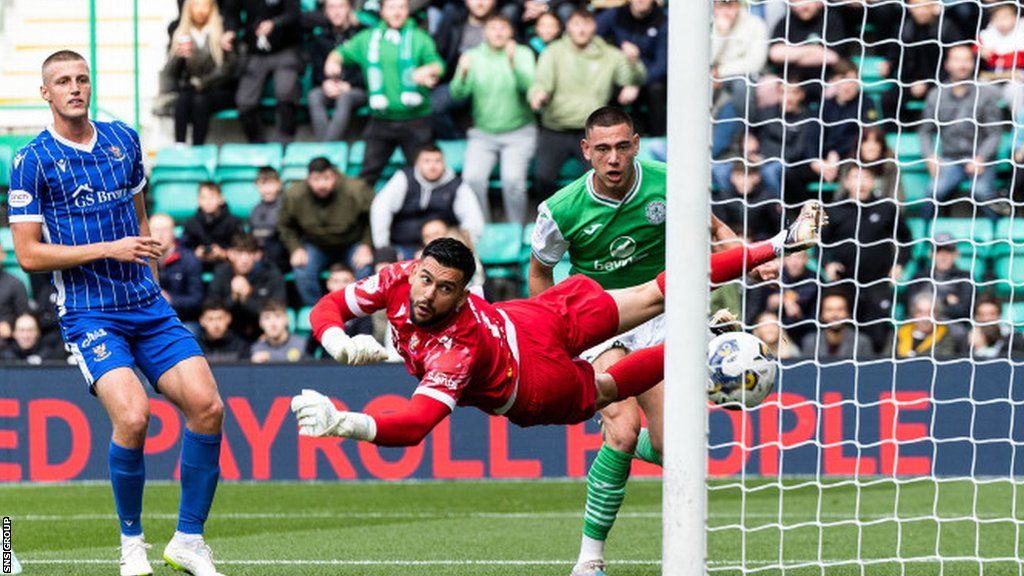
{"x": 400, "y": 64}
{"x": 496, "y": 75}
{"x": 576, "y": 75}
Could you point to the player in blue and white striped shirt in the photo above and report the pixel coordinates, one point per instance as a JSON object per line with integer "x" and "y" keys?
{"x": 76, "y": 209}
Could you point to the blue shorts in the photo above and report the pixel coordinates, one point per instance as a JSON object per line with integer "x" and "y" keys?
{"x": 151, "y": 337}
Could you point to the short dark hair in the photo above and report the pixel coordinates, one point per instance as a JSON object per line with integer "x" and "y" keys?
{"x": 320, "y": 164}
{"x": 581, "y": 13}
{"x": 209, "y": 184}
{"x": 273, "y": 305}
{"x": 608, "y": 116}
{"x": 267, "y": 173}
{"x": 432, "y": 148}
{"x": 987, "y": 298}
{"x": 62, "y": 56}
{"x": 245, "y": 242}
{"x": 214, "y": 305}
{"x": 452, "y": 253}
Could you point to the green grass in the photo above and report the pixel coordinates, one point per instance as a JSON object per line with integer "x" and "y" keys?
{"x": 533, "y": 528}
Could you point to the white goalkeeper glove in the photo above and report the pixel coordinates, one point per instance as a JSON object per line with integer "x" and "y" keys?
{"x": 355, "y": 350}
{"x": 318, "y": 417}
{"x": 804, "y": 232}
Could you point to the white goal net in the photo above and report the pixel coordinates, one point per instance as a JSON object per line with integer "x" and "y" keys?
{"x": 892, "y": 444}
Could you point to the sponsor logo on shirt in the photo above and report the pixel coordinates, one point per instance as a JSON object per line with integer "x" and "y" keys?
{"x": 622, "y": 247}
{"x": 62, "y": 164}
{"x": 18, "y": 158}
{"x": 19, "y": 199}
{"x": 438, "y": 379}
{"x": 84, "y": 196}
{"x": 592, "y": 228}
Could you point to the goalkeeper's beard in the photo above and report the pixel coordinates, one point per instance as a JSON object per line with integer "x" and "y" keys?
{"x": 434, "y": 319}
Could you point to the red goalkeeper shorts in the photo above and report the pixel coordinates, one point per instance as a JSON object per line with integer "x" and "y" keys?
{"x": 556, "y": 387}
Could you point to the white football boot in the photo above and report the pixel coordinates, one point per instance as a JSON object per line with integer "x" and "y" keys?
{"x": 190, "y": 555}
{"x": 134, "y": 561}
{"x": 589, "y": 568}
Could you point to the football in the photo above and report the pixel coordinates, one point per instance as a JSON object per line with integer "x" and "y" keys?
{"x": 741, "y": 370}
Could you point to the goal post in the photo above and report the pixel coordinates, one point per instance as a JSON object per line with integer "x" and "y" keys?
{"x": 689, "y": 177}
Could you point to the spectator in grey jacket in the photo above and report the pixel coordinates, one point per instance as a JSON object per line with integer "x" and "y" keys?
{"x": 965, "y": 115}
{"x": 13, "y": 299}
{"x": 427, "y": 190}
{"x": 836, "y": 337}
{"x": 263, "y": 218}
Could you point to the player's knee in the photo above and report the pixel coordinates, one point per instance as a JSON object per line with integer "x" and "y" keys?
{"x": 207, "y": 415}
{"x": 132, "y": 424}
{"x": 621, "y": 433}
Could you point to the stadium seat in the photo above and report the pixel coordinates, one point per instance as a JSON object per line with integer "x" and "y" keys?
{"x": 177, "y": 199}
{"x": 185, "y": 163}
{"x": 6, "y": 241}
{"x": 653, "y": 148}
{"x": 907, "y": 149}
{"x": 972, "y": 235}
{"x": 298, "y": 154}
{"x": 1008, "y": 272}
{"x": 302, "y": 325}
{"x": 915, "y": 187}
{"x": 242, "y": 161}
{"x": 1014, "y": 312}
{"x": 499, "y": 244}
{"x": 241, "y": 197}
{"x": 454, "y": 153}
{"x": 562, "y": 269}
{"x": 1008, "y": 237}
{"x": 6, "y": 155}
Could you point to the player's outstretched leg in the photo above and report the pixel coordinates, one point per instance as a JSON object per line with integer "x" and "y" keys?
{"x": 191, "y": 387}
{"x": 125, "y": 401}
{"x": 633, "y": 375}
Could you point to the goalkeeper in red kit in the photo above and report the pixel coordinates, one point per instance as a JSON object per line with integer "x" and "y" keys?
{"x": 517, "y": 358}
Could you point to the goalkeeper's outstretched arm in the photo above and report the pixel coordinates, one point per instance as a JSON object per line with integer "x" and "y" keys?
{"x": 318, "y": 417}
{"x": 328, "y": 320}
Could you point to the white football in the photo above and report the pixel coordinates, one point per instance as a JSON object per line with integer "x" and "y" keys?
{"x": 741, "y": 370}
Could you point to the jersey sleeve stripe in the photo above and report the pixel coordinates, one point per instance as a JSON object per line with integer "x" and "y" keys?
{"x": 25, "y": 218}
{"x": 352, "y": 301}
{"x": 436, "y": 395}
{"x": 138, "y": 188}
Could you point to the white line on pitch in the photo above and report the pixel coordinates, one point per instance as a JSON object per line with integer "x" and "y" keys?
{"x": 331, "y": 562}
{"x": 328, "y": 515}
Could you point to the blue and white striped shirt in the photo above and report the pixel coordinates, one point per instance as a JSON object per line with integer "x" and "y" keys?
{"x": 83, "y": 194}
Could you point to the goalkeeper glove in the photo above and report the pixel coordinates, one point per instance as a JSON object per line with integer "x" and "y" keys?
{"x": 318, "y": 417}
{"x": 357, "y": 350}
{"x": 804, "y": 232}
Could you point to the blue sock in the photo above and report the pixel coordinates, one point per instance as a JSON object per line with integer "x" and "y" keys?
{"x": 200, "y": 470}
{"x": 128, "y": 477}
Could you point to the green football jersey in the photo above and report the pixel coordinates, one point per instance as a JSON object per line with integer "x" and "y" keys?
{"x": 617, "y": 243}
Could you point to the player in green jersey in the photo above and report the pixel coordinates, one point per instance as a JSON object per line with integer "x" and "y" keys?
{"x": 611, "y": 222}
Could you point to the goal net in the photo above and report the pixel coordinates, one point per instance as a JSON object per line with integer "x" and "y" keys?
{"x": 892, "y": 444}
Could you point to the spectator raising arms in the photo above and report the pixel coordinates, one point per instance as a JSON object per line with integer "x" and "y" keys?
{"x": 575, "y": 76}
{"x": 346, "y": 93}
{"x": 210, "y": 231}
{"x": 273, "y": 36}
{"x": 200, "y": 69}
{"x": 497, "y": 75}
{"x": 400, "y": 64}
{"x": 326, "y": 219}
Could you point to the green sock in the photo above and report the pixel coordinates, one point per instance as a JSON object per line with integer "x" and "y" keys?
{"x": 644, "y": 450}
{"x": 606, "y": 487}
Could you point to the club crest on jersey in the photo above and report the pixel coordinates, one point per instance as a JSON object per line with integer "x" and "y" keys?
{"x": 100, "y": 352}
{"x": 116, "y": 152}
{"x": 655, "y": 212}
{"x": 62, "y": 164}
{"x": 622, "y": 247}
{"x": 414, "y": 342}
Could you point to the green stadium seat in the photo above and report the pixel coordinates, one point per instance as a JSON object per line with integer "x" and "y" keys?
{"x": 571, "y": 170}
{"x": 500, "y": 243}
{"x": 7, "y": 240}
{"x": 870, "y": 67}
{"x": 915, "y": 186}
{"x": 1008, "y": 272}
{"x": 907, "y": 149}
{"x": 298, "y": 154}
{"x": 177, "y": 199}
{"x": 1014, "y": 313}
{"x": 6, "y": 156}
{"x": 242, "y": 161}
{"x": 454, "y": 153}
{"x": 562, "y": 269}
{"x": 185, "y": 163}
{"x": 302, "y": 324}
{"x": 1009, "y": 237}
{"x": 241, "y": 197}
{"x": 965, "y": 231}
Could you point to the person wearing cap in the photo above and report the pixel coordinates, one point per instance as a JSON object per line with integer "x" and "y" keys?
{"x": 325, "y": 219}
{"x": 951, "y": 284}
